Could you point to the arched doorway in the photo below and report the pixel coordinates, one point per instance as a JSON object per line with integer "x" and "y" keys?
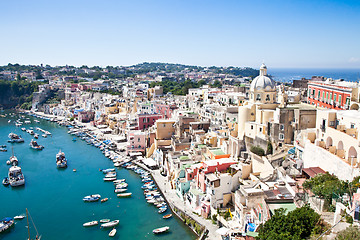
{"x": 340, "y": 146}
{"x": 352, "y": 156}
{"x": 329, "y": 142}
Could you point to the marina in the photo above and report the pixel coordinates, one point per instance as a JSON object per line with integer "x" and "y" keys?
{"x": 41, "y": 177}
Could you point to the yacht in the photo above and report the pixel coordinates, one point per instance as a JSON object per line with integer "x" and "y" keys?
{"x": 61, "y": 160}
{"x": 16, "y": 177}
{"x": 6, "y": 223}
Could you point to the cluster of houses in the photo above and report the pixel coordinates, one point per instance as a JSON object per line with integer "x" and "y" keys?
{"x": 242, "y": 150}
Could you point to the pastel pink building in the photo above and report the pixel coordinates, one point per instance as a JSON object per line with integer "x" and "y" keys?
{"x": 136, "y": 142}
{"x": 147, "y": 120}
{"x": 165, "y": 110}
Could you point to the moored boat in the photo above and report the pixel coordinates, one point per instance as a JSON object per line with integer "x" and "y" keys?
{"x": 89, "y": 224}
{"x": 6, "y": 223}
{"x": 61, "y": 160}
{"x": 14, "y": 138}
{"x": 109, "y": 179}
{"x": 120, "y": 190}
{"x": 167, "y": 216}
{"x": 16, "y": 177}
{"x": 110, "y": 224}
{"x": 104, "y": 200}
{"x": 106, "y": 220}
{"x": 5, "y": 181}
{"x": 35, "y": 145}
{"x": 161, "y": 230}
{"x": 92, "y": 198}
{"x": 112, "y": 233}
{"x": 124, "y": 194}
{"x": 19, "y": 217}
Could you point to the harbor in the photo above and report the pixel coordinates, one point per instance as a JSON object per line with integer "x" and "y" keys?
{"x": 54, "y": 195}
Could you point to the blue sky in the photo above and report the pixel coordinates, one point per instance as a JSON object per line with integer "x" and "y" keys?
{"x": 300, "y": 34}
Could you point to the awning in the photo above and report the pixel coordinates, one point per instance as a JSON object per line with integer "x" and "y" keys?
{"x": 291, "y": 150}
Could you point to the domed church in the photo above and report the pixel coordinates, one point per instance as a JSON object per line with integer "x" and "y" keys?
{"x": 263, "y": 88}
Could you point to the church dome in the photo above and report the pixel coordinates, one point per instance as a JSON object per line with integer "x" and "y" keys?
{"x": 262, "y": 82}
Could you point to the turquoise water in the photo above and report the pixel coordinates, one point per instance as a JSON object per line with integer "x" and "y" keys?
{"x": 54, "y": 197}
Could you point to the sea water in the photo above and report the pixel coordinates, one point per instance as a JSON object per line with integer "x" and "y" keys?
{"x": 54, "y": 196}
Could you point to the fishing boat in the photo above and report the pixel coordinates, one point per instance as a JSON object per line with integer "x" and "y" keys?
{"x": 110, "y": 224}
{"x": 35, "y": 145}
{"x": 14, "y": 138}
{"x": 106, "y": 220}
{"x": 16, "y": 177}
{"x": 36, "y": 135}
{"x": 104, "y": 200}
{"x": 89, "y": 224}
{"x": 112, "y": 233}
{"x": 6, "y": 223}
{"x": 6, "y": 181}
{"x": 161, "y": 230}
{"x": 61, "y": 160}
{"x": 120, "y": 190}
{"x": 124, "y": 194}
{"x": 92, "y": 198}
{"x": 167, "y": 216}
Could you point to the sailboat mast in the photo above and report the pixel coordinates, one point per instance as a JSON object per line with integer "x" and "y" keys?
{"x": 27, "y": 219}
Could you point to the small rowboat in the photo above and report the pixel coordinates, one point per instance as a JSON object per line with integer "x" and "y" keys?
{"x": 89, "y": 224}
{"x": 112, "y": 233}
{"x": 106, "y": 220}
{"x": 167, "y": 216}
{"x": 124, "y": 195}
{"x": 161, "y": 230}
{"x": 104, "y": 199}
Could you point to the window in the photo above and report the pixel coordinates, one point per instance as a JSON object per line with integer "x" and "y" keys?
{"x": 138, "y": 139}
{"x": 334, "y": 97}
{"x": 267, "y": 97}
{"x": 309, "y": 92}
{"x": 352, "y": 125}
{"x": 252, "y": 127}
{"x": 258, "y": 97}
{"x": 281, "y": 136}
{"x": 330, "y": 96}
{"x": 281, "y": 127}
{"x": 339, "y": 99}
{"x": 327, "y": 96}
{"x": 260, "y": 129}
{"x": 318, "y": 95}
{"x": 323, "y": 97}
{"x": 313, "y": 92}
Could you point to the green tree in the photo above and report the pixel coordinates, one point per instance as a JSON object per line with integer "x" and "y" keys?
{"x": 295, "y": 225}
{"x": 350, "y": 233}
{"x": 257, "y": 150}
{"x": 269, "y": 149}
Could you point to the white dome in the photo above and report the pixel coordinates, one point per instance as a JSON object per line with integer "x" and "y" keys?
{"x": 262, "y": 82}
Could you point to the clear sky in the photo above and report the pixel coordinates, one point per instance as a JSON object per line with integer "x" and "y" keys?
{"x": 318, "y": 34}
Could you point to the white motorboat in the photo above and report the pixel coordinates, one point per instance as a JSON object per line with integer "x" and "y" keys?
{"x": 92, "y": 198}
{"x": 92, "y": 223}
{"x": 35, "y": 145}
{"x": 120, "y": 190}
{"x": 112, "y": 232}
{"x": 20, "y": 217}
{"x": 110, "y": 224}
{"x": 44, "y": 136}
{"x": 23, "y": 129}
{"x": 16, "y": 177}
{"x": 14, "y": 138}
{"x": 110, "y": 175}
{"x": 109, "y": 179}
{"x": 161, "y": 230}
{"x": 108, "y": 170}
{"x": 117, "y": 164}
{"x": 121, "y": 185}
{"x": 6, "y": 223}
